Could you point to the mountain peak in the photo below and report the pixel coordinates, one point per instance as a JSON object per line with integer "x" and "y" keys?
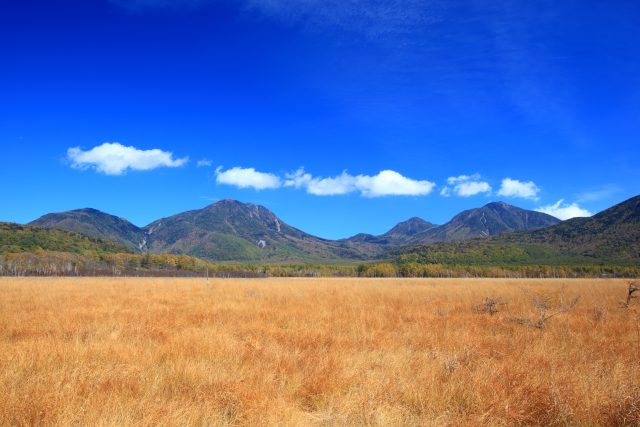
{"x": 229, "y": 229}
{"x": 411, "y": 226}
{"x": 491, "y": 219}
{"x": 90, "y": 210}
{"x": 232, "y": 230}
{"x": 225, "y": 203}
{"x": 233, "y": 204}
{"x": 94, "y": 223}
{"x": 405, "y": 230}
{"x": 229, "y": 202}
{"x": 498, "y": 204}
{"x": 415, "y": 220}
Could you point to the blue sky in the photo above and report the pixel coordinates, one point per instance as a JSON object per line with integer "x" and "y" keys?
{"x": 341, "y": 117}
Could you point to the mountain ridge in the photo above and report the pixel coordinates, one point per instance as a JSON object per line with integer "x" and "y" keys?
{"x": 94, "y": 223}
{"x": 399, "y": 234}
{"x": 27, "y": 238}
{"x": 232, "y": 230}
{"x": 612, "y": 235}
{"x": 229, "y": 230}
{"x": 491, "y": 219}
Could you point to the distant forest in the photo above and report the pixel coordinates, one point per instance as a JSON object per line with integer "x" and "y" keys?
{"x": 51, "y": 263}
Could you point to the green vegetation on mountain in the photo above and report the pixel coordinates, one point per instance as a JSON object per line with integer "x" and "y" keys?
{"x": 95, "y": 223}
{"x": 490, "y": 220}
{"x": 605, "y": 245}
{"x": 613, "y": 234}
{"x": 400, "y": 234}
{"x": 23, "y": 238}
{"x": 230, "y": 230}
{"x": 404, "y": 231}
{"x": 610, "y": 237}
{"x": 227, "y": 230}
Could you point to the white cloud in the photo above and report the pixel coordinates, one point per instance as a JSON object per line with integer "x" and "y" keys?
{"x": 467, "y": 189}
{"x": 247, "y": 178}
{"x": 341, "y": 184}
{"x": 204, "y": 162}
{"x": 391, "y": 183}
{"x": 115, "y": 158}
{"x": 563, "y": 210}
{"x": 446, "y": 191}
{"x": 514, "y": 188}
{"x": 462, "y": 178}
{"x": 385, "y": 183}
{"x": 465, "y": 186}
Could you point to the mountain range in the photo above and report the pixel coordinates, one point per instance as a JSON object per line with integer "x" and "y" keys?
{"x": 229, "y": 230}
{"x": 611, "y": 236}
{"x": 496, "y": 234}
{"x": 490, "y": 220}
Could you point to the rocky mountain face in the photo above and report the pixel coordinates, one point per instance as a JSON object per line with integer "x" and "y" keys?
{"x": 400, "y": 234}
{"x": 229, "y": 230}
{"x": 612, "y": 233}
{"x": 96, "y": 224}
{"x": 15, "y": 238}
{"x": 405, "y": 231}
{"x": 490, "y": 220}
{"x": 611, "y": 236}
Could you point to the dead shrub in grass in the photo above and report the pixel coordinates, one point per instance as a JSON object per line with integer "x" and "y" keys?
{"x": 547, "y": 306}
{"x": 489, "y": 306}
{"x": 631, "y": 290}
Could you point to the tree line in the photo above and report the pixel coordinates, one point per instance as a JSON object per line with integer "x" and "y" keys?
{"x": 50, "y": 263}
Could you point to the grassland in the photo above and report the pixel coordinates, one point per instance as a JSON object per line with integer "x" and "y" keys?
{"x": 109, "y": 351}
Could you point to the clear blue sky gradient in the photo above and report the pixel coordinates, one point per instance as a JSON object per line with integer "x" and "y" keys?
{"x": 541, "y": 91}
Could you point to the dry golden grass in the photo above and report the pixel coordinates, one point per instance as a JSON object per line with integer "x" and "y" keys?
{"x": 114, "y": 351}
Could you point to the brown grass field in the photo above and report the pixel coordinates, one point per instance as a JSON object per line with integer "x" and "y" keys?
{"x": 111, "y": 351}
